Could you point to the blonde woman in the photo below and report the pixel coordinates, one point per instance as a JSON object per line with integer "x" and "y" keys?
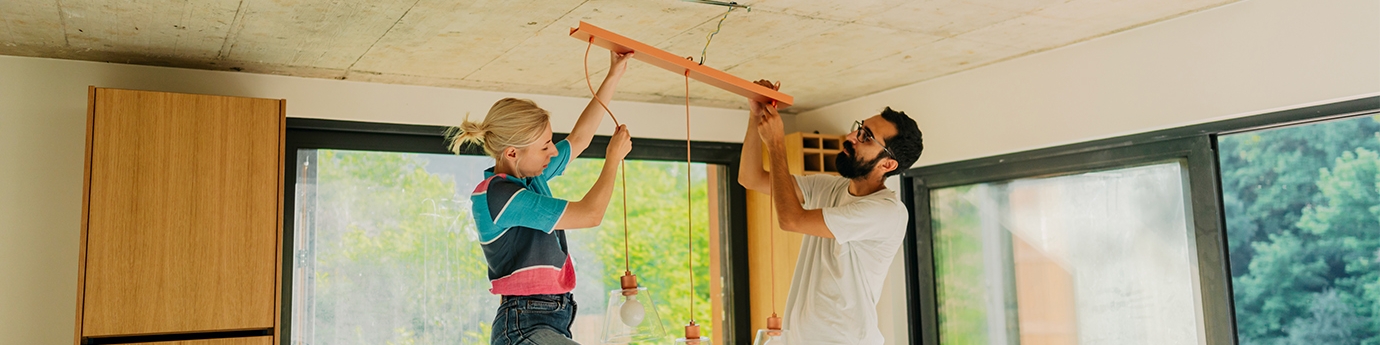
{"x": 521, "y": 226}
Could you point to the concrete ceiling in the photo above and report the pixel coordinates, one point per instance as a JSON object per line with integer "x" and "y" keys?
{"x": 824, "y": 51}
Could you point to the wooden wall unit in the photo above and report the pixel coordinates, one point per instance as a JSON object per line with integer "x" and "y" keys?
{"x": 806, "y": 154}
{"x": 182, "y": 215}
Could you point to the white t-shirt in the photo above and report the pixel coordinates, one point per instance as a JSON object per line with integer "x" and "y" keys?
{"x": 837, "y": 282}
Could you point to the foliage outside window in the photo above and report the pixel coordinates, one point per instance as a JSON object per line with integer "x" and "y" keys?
{"x": 386, "y": 251}
{"x": 1302, "y": 206}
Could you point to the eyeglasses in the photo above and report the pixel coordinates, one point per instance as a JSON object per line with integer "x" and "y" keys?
{"x": 865, "y": 135}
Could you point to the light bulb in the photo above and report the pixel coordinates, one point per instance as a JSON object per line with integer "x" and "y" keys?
{"x": 632, "y": 312}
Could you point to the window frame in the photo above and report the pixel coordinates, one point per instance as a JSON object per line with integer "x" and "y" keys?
{"x": 303, "y": 133}
{"x": 1196, "y": 145}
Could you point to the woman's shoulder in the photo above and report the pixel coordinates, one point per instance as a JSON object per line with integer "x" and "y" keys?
{"x": 498, "y": 184}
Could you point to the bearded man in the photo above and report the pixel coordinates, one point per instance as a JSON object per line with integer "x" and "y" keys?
{"x": 852, "y": 224}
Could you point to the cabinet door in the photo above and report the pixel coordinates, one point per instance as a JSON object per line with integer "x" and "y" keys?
{"x": 183, "y": 215}
{"x": 772, "y": 252}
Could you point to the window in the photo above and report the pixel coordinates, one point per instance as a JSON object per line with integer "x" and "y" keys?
{"x": 1093, "y": 258}
{"x": 384, "y": 250}
{"x": 1303, "y": 227}
{"x": 1263, "y": 230}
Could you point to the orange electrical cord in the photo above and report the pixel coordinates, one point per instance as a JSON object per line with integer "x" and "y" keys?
{"x": 689, "y": 204}
{"x": 771, "y": 240}
{"x": 623, "y": 171}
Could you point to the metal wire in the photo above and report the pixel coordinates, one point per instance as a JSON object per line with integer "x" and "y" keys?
{"x": 731, "y": 7}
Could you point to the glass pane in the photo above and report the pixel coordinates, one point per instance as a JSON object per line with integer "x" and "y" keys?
{"x": 1303, "y": 232}
{"x": 656, "y": 240}
{"x": 386, "y": 251}
{"x": 1093, "y": 258}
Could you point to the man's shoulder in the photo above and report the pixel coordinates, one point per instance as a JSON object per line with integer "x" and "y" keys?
{"x": 820, "y": 181}
{"x": 887, "y": 195}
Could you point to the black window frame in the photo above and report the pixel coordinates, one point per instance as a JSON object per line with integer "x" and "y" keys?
{"x": 1196, "y": 145}
{"x": 303, "y": 133}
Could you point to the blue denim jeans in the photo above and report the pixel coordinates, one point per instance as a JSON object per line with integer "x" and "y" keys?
{"x": 534, "y": 320}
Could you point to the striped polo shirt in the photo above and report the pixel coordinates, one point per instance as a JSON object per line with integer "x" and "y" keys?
{"x": 516, "y": 218}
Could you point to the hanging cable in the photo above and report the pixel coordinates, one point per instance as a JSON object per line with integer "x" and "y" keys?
{"x": 771, "y": 239}
{"x": 689, "y": 204}
{"x": 622, "y": 168}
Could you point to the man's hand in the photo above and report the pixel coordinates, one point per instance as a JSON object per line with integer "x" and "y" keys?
{"x": 769, "y": 125}
{"x": 755, "y": 107}
{"x": 774, "y": 86}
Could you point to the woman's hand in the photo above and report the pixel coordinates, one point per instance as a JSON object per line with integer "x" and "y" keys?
{"x": 618, "y": 63}
{"x": 619, "y": 144}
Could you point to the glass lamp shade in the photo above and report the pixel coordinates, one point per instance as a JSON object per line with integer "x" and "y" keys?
{"x": 696, "y": 341}
{"x": 768, "y": 336}
{"x": 631, "y": 316}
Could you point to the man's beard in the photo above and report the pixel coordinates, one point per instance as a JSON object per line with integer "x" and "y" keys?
{"x": 849, "y": 166}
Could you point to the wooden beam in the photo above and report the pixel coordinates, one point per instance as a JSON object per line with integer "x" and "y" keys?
{"x": 680, "y": 65}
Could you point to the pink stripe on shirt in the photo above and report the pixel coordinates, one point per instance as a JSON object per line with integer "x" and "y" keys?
{"x": 537, "y": 281}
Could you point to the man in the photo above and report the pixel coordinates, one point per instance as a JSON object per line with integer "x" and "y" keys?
{"x": 853, "y": 224}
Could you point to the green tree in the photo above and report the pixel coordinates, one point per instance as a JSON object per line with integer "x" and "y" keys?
{"x": 1346, "y": 234}
{"x": 1295, "y": 245}
{"x": 1331, "y": 321}
{"x": 1269, "y": 176}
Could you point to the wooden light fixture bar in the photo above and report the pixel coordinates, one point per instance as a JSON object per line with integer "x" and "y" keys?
{"x": 661, "y": 58}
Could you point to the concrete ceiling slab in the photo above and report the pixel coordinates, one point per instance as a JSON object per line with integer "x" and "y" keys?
{"x": 186, "y": 30}
{"x": 928, "y": 61}
{"x": 31, "y": 24}
{"x": 456, "y": 38}
{"x": 324, "y": 34}
{"x": 824, "y": 51}
{"x": 828, "y": 53}
{"x": 552, "y": 58}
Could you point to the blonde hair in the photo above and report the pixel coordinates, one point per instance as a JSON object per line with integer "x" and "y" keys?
{"x": 511, "y": 122}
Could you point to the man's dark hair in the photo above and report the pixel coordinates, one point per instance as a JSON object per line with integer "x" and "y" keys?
{"x": 907, "y": 143}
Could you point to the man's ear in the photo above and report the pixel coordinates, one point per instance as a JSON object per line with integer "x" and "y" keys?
{"x": 889, "y": 165}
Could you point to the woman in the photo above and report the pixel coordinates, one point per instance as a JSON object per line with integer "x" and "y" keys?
{"x": 521, "y": 225}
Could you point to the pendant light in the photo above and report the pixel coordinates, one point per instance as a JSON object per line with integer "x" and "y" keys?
{"x": 773, "y": 334}
{"x": 625, "y": 303}
{"x": 692, "y": 330}
{"x": 631, "y": 314}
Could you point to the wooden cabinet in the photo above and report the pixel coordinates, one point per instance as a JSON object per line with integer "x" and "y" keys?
{"x": 182, "y": 214}
{"x": 816, "y": 152}
{"x": 806, "y": 154}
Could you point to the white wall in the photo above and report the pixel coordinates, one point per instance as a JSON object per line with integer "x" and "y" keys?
{"x": 42, "y": 141}
{"x": 1240, "y": 59}
{"x": 1251, "y": 57}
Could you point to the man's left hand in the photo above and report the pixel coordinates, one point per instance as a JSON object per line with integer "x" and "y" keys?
{"x": 769, "y": 125}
